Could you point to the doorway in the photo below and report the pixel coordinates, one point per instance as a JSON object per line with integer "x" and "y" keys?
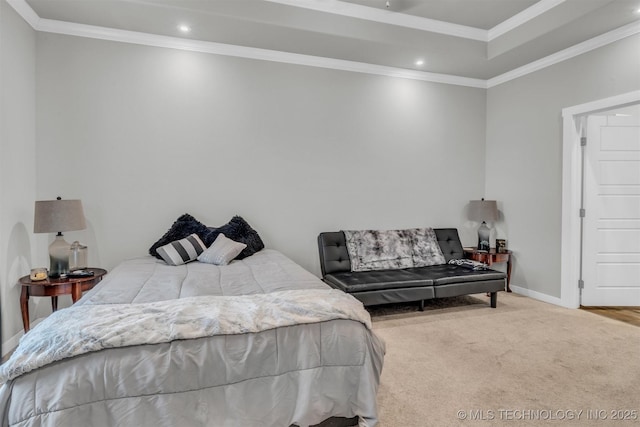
{"x": 611, "y": 202}
{"x": 575, "y": 124}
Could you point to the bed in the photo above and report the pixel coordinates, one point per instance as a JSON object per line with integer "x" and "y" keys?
{"x": 258, "y": 342}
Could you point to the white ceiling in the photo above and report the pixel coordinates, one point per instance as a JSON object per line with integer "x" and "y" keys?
{"x": 479, "y": 40}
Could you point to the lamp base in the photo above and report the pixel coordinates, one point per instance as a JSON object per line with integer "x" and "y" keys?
{"x": 59, "y": 256}
{"x": 483, "y": 237}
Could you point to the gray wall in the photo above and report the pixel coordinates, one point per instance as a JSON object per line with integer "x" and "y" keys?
{"x": 144, "y": 134}
{"x": 17, "y": 162}
{"x": 524, "y": 151}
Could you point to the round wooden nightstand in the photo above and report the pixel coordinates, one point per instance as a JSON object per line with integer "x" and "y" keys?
{"x": 53, "y": 288}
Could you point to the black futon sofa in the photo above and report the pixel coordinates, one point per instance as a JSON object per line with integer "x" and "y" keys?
{"x": 408, "y": 284}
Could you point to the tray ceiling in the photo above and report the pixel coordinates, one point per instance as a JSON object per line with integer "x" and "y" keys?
{"x": 468, "y": 39}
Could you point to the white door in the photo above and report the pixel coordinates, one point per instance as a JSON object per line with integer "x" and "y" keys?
{"x": 611, "y": 233}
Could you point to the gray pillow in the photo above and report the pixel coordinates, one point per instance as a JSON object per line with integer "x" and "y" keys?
{"x": 222, "y": 251}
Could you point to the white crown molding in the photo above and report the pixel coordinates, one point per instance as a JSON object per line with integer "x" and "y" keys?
{"x": 568, "y": 53}
{"x": 103, "y": 33}
{"x": 388, "y": 17}
{"x": 337, "y": 7}
{"x": 111, "y": 34}
{"x": 27, "y": 13}
{"x": 523, "y": 17}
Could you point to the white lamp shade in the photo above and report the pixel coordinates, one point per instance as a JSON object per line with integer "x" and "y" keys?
{"x": 53, "y": 216}
{"x": 483, "y": 210}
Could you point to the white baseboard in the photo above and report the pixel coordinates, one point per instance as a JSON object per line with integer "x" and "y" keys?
{"x": 537, "y": 295}
{"x": 9, "y": 345}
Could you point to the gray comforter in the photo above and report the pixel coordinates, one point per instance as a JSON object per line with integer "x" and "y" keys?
{"x": 287, "y": 372}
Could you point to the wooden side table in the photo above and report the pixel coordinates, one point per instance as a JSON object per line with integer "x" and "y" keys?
{"x": 55, "y": 287}
{"x": 489, "y": 258}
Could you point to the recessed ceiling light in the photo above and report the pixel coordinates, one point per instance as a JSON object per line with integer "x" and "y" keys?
{"x": 184, "y": 28}
{"x": 420, "y": 62}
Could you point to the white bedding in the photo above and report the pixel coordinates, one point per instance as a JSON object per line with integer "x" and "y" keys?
{"x": 87, "y": 328}
{"x": 247, "y": 373}
{"x": 148, "y": 279}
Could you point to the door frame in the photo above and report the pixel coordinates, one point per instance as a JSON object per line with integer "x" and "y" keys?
{"x": 570, "y": 251}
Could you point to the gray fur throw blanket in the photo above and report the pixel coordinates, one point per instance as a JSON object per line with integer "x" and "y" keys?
{"x": 392, "y": 249}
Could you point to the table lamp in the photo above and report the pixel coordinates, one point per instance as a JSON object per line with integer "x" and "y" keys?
{"x": 483, "y": 211}
{"x": 56, "y": 216}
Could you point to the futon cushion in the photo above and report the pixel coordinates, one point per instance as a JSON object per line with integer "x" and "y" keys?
{"x": 363, "y": 281}
{"x": 182, "y": 251}
{"x": 447, "y": 274}
{"x": 222, "y": 251}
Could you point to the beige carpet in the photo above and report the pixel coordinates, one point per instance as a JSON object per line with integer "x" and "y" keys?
{"x": 523, "y": 363}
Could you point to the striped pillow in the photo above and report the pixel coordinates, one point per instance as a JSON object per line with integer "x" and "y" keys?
{"x": 182, "y": 251}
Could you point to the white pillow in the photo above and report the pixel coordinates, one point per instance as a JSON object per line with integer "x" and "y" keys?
{"x": 182, "y": 251}
{"x": 222, "y": 251}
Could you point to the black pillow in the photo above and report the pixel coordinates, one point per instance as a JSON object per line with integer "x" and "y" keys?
{"x": 184, "y": 226}
{"x": 240, "y": 231}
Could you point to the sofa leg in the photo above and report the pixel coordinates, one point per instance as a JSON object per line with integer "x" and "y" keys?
{"x": 494, "y": 299}
{"x": 421, "y": 308}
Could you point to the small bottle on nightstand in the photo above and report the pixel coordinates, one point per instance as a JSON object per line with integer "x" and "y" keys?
{"x": 77, "y": 256}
